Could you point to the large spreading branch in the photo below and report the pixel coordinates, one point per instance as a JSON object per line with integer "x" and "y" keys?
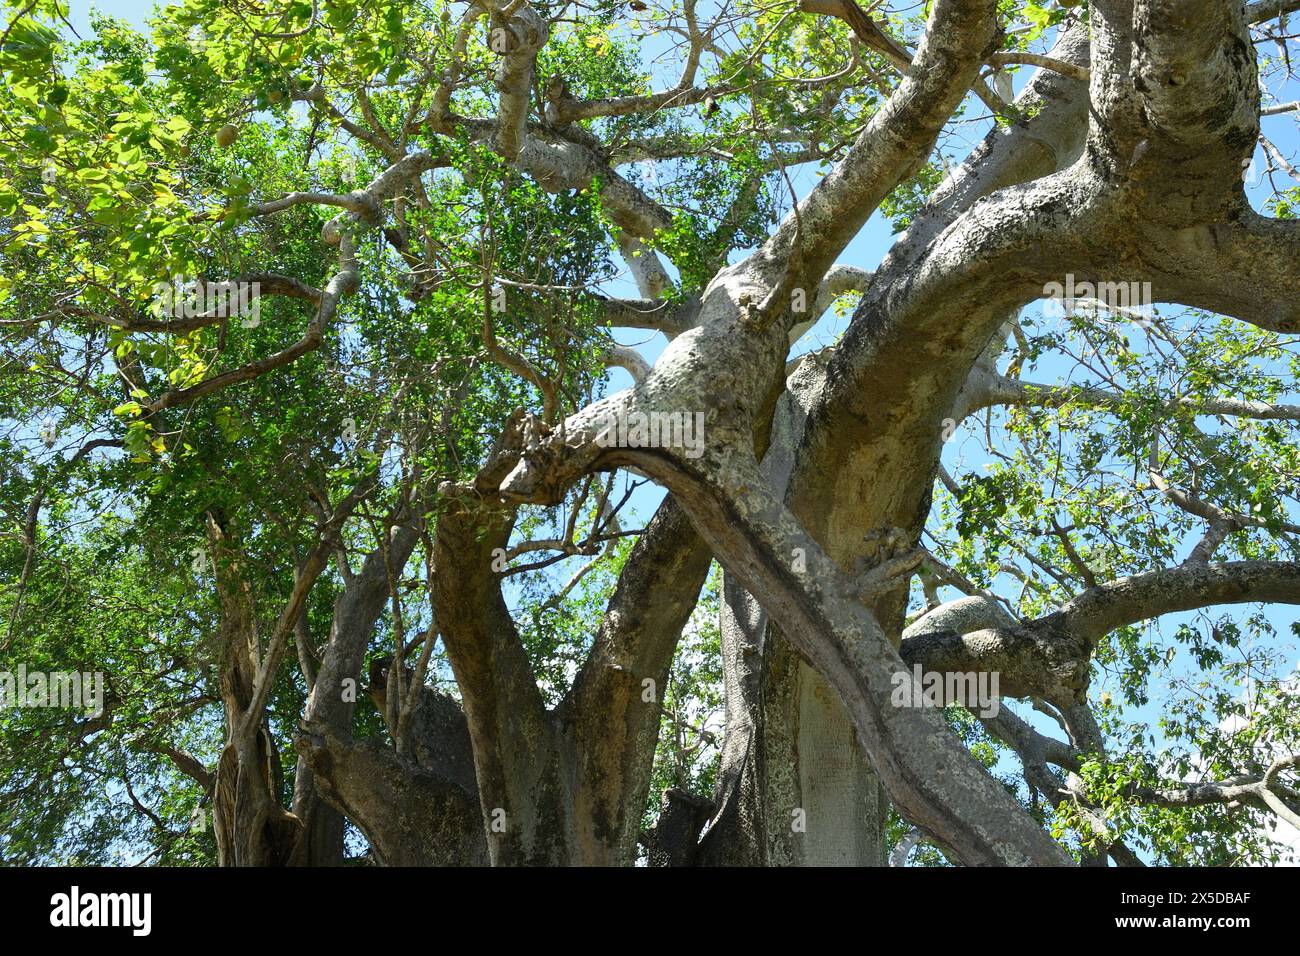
{"x": 1050, "y": 656}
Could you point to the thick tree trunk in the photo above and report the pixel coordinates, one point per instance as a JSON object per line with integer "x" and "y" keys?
{"x": 411, "y": 816}
{"x": 795, "y": 787}
{"x": 547, "y": 787}
{"x": 841, "y": 490}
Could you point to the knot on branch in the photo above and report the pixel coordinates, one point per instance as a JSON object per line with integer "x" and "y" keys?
{"x": 1195, "y": 70}
{"x": 519, "y": 33}
{"x": 548, "y": 460}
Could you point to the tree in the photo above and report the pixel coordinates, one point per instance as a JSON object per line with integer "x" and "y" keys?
{"x": 307, "y": 315}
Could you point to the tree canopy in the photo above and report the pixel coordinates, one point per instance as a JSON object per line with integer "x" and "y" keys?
{"x": 480, "y": 433}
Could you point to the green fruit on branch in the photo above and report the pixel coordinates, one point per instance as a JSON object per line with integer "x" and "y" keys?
{"x": 227, "y": 135}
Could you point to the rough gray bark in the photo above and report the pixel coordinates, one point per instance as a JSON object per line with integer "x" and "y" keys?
{"x": 412, "y": 816}
{"x": 789, "y": 744}
{"x": 562, "y": 786}
{"x": 672, "y": 841}
{"x": 728, "y": 363}
{"x": 567, "y": 785}
{"x": 853, "y": 507}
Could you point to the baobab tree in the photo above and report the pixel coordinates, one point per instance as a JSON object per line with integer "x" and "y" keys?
{"x": 309, "y": 312}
